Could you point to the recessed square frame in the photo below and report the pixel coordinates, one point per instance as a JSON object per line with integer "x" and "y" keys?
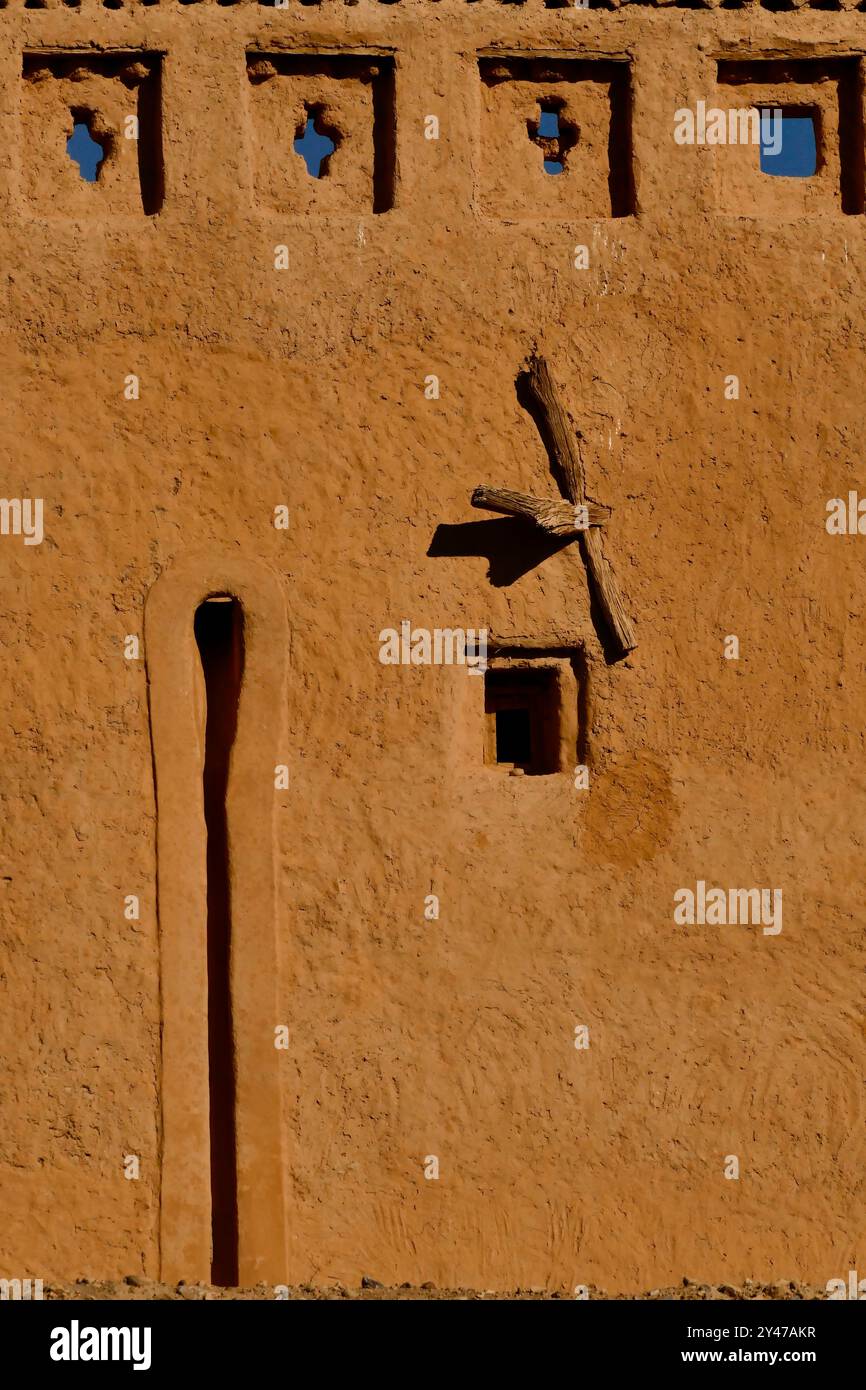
{"x": 594, "y": 94}
{"x": 110, "y": 85}
{"x": 828, "y": 87}
{"x": 356, "y": 91}
{"x": 564, "y": 700}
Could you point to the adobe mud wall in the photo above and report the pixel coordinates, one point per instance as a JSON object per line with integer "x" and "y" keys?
{"x": 204, "y": 336}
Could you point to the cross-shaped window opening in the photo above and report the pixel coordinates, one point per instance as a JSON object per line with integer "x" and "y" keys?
{"x": 81, "y": 147}
{"x": 315, "y": 145}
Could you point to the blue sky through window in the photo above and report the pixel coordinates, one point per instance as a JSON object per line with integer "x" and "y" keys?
{"x": 314, "y": 148}
{"x": 548, "y": 129}
{"x": 85, "y": 151}
{"x": 798, "y": 156}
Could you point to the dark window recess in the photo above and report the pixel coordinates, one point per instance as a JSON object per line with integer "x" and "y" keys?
{"x": 514, "y": 737}
{"x": 522, "y": 711}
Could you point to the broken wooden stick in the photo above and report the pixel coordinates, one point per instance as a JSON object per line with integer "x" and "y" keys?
{"x": 557, "y": 517}
{"x": 565, "y": 451}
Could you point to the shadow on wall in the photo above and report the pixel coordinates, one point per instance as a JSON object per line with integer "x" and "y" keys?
{"x": 511, "y": 546}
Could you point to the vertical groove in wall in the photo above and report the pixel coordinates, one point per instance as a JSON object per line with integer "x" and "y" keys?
{"x": 219, "y": 638}
{"x": 217, "y": 784}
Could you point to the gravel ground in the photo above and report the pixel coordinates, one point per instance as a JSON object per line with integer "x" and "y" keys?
{"x": 139, "y": 1289}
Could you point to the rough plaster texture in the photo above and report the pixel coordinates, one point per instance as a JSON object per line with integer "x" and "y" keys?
{"x": 305, "y": 387}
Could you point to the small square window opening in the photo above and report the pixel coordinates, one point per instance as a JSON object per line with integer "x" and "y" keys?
{"x": 523, "y": 719}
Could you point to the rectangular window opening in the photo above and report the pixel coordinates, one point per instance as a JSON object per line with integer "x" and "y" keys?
{"x": 790, "y": 141}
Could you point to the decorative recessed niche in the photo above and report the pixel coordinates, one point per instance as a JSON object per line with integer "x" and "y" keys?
{"x": 92, "y": 133}
{"x": 343, "y": 101}
{"x": 789, "y": 92}
{"x": 555, "y": 138}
